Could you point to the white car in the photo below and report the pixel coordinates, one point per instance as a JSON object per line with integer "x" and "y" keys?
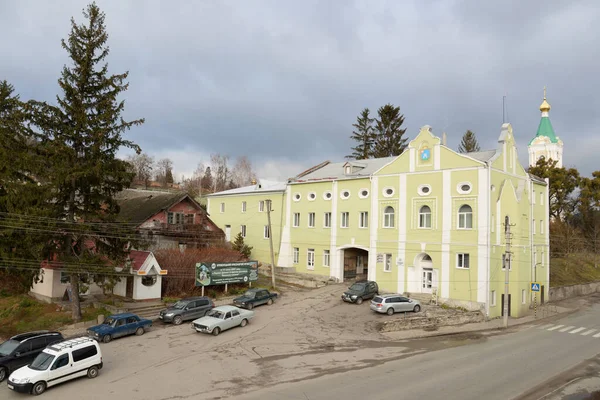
{"x": 58, "y": 363}
{"x": 222, "y": 318}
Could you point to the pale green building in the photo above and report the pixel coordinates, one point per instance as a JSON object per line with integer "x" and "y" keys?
{"x": 430, "y": 220}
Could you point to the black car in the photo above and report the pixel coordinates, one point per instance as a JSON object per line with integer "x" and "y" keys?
{"x": 255, "y": 297}
{"x": 20, "y": 350}
{"x": 186, "y": 309}
{"x": 361, "y": 290}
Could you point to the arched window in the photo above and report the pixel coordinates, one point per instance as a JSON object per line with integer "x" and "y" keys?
{"x": 388, "y": 217}
{"x": 425, "y": 217}
{"x": 465, "y": 217}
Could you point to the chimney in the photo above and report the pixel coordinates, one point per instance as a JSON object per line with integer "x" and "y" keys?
{"x": 444, "y": 138}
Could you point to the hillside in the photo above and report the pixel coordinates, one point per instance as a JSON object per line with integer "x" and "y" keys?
{"x": 574, "y": 269}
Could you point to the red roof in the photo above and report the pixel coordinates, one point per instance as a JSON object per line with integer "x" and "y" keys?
{"x": 138, "y": 258}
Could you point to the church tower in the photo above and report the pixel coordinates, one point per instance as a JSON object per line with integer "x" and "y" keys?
{"x": 545, "y": 143}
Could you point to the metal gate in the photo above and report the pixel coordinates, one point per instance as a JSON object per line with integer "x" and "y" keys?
{"x": 349, "y": 267}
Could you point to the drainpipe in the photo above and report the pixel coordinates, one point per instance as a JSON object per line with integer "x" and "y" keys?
{"x": 489, "y": 229}
{"x": 531, "y": 232}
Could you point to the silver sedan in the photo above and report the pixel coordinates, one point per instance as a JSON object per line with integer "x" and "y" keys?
{"x": 391, "y": 303}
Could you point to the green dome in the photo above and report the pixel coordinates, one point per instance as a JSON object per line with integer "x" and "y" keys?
{"x": 545, "y": 129}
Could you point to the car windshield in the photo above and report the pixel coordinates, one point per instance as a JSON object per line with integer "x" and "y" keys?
{"x": 8, "y": 347}
{"x": 378, "y": 300}
{"x": 42, "y": 362}
{"x": 216, "y": 314}
{"x": 250, "y": 294}
{"x": 358, "y": 287}
{"x": 109, "y": 321}
{"x": 180, "y": 305}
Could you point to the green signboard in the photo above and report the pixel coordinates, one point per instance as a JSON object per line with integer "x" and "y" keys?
{"x": 211, "y": 273}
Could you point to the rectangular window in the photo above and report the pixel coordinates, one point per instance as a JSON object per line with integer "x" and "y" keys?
{"x": 543, "y": 260}
{"x": 344, "y": 223}
{"x": 170, "y": 218}
{"x": 243, "y": 230}
{"x": 542, "y": 198}
{"x": 222, "y": 207}
{"x": 387, "y": 266}
{"x": 326, "y": 258}
{"x": 64, "y": 277}
{"x": 493, "y": 223}
{"x": 86, "y": 352}
{"x": 296, "y": 255}
{"x": 296, "y": 220}
{"x": 189, "y": 219}
{"x": 243, "y": 206}
{"x": 533, "y": 197}
{"x": 261, "y": 206}
{"x": 179, "y": 219}
{"x": 462, "y": 260}
{"x": 311, "y": 220}
{"x": 523, "y": 297}
{"x": 311, "y": 259}
{"x": 327, "y": 220}
{"x": 533, "y": 227}
{"x": 493, "y": 298}
{"x": 364, "y": 219}
{"x": 266, "y": 232}
{"x": 542, "y": 226}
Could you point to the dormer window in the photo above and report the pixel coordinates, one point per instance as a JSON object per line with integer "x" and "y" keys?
{"x": 348, "y": 170}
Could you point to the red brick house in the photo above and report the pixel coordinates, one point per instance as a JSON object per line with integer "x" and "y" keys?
{"x": 168, "y": 219}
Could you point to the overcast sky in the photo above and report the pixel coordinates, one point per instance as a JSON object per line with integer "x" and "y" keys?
{"x": 282, "y": 81}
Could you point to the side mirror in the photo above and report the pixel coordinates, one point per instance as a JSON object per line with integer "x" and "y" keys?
{"x": 18, "y": 354}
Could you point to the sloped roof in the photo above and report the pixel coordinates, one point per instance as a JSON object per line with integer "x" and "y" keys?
{"x": 484, "y": 156}
{"x": 138, "y": 258}
{"x": 537, "y": 178}
{"x": 545, "y": 129}
{"x": 262, "y": 185}
{"x": 138, "y": 205}
{"x": 332, "y": 171}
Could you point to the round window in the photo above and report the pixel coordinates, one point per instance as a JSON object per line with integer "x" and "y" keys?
{"x": 327, "y": 195}
{"x": 148, "y": 280}
{"x": 465, "y": 188}
{"x": 345, "y": 194}
{"x": 365, "y": 193}
{"x": 297, "y": 196}
{"x": 312, "y": 196}
{"x": 425, "y": 189}
{"x": 388, "y": 192}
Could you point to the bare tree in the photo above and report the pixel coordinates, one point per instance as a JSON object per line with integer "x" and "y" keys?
{"x": 242, "y": 172}
{"x": 164, "y": 171}
{"x": 193, "y": 185}
{"x": 220, "y": 170}
{"x": 143, "y": 164}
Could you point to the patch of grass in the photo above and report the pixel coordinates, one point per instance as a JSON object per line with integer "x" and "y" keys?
{"x": 21, "y": 313}
{"x": 574, "y": 269}
{"x": 170, "y": 300}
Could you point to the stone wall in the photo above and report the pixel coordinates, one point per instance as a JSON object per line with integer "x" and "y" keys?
{"x": 565, "y": 292}
{"x": 430, "y": 319}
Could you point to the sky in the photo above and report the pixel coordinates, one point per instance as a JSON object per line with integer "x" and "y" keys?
{"x": 283, "y": 81}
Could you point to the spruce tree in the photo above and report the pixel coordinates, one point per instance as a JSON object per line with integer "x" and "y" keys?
{"x": 82, "y": 137}
{"x": 468, "y": 143}
{"x": 364, "y": 137}
{"x": 239, "y": 245}
{"x": 389, "y": 140}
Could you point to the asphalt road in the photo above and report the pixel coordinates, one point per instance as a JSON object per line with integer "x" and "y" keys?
{"x": 504, "y": 366}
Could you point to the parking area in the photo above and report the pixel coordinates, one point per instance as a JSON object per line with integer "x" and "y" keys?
{"x": 305, "y": 333}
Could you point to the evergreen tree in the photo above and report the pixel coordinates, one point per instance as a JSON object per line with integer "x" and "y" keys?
{"x": 563, "y": 183}
{"x": 364, "y": 137}
{"x": 207, "y": 179}
{"x": 82, "y": 137}
{"x": 468, "y": 143}
{"x": 389, "y": 140}
{"x": 239, "y": 245}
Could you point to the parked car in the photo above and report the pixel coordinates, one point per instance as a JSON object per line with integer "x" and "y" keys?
{"x": 222, "y": 318}
{"x": 255, "y": 297}
{"x": 361, "y": 290}
{"x": 186, "y": 309}
{"x": 391, "y": 303}
{"x": 22, "y": 349}
{"x": 58, "y": 363}
{"x": 119, "y": 325}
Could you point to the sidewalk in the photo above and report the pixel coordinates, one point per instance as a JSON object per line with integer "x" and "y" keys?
{"x": 491, "y": 325}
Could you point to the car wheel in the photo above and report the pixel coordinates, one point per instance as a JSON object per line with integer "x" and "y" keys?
{"x": 270, "y": 302}
{"x": 106, "y": 338}
{"x": 417, "y": 308}
{"x": 359, "y": 300}
{"x": 390, "y": 311}
{"x": 177, "y": 320}
{"x": 250, "y": 306}
{"x": 92, "y": 372}
{"x": 244, "y": 322}
{"x": 216, "y": 331}
{"x": 38, "y": 388}
{"x": 3, "y": 373}
{"x": 139, "y": 331}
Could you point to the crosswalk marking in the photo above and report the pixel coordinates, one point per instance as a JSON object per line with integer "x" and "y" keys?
{"x": 546, "y": 326}
{"x": 588, "y": 332}
{"x": 577, "y": 330}
{"x": 556, "y": 327}
{"x": 567, "y": 328}
{"x": 596, "y": 335}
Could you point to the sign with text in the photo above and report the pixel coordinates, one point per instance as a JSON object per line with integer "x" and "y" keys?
{"x": 210, "y": 273}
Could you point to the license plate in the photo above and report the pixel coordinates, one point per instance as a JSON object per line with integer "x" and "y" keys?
{"x": 11, "y": 386}
{"x": 160, "y": 316}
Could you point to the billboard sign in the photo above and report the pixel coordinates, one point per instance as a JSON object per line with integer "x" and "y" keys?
{"x": 211, "y": 273}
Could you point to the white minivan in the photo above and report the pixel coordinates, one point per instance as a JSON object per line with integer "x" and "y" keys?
{"x": 58, "y": 363}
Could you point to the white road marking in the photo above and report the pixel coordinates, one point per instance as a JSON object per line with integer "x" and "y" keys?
{"x": 545, "y": 326}
{"x": 588, "y": 332}
{"x": 556, "y": 327}
{"x": 577, "y": 330}
{"x": 596, "y": 335}
{"x": 568, "y": 328}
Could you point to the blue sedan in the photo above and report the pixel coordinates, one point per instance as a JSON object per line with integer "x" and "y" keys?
{"x": 118, "y": 325}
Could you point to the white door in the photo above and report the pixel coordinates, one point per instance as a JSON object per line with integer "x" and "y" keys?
{"x": 228, "y": 233}
{"x": 427, "y": 281}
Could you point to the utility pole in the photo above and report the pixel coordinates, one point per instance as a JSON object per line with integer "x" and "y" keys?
{"x": 271, "y": 244}
{"x": 507, "y": 262}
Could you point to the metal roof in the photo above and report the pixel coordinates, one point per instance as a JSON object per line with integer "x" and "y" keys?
{"x": 485, "y": 155}
{"x": 335, "y": 171}
{"x": 261, "y": 186}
